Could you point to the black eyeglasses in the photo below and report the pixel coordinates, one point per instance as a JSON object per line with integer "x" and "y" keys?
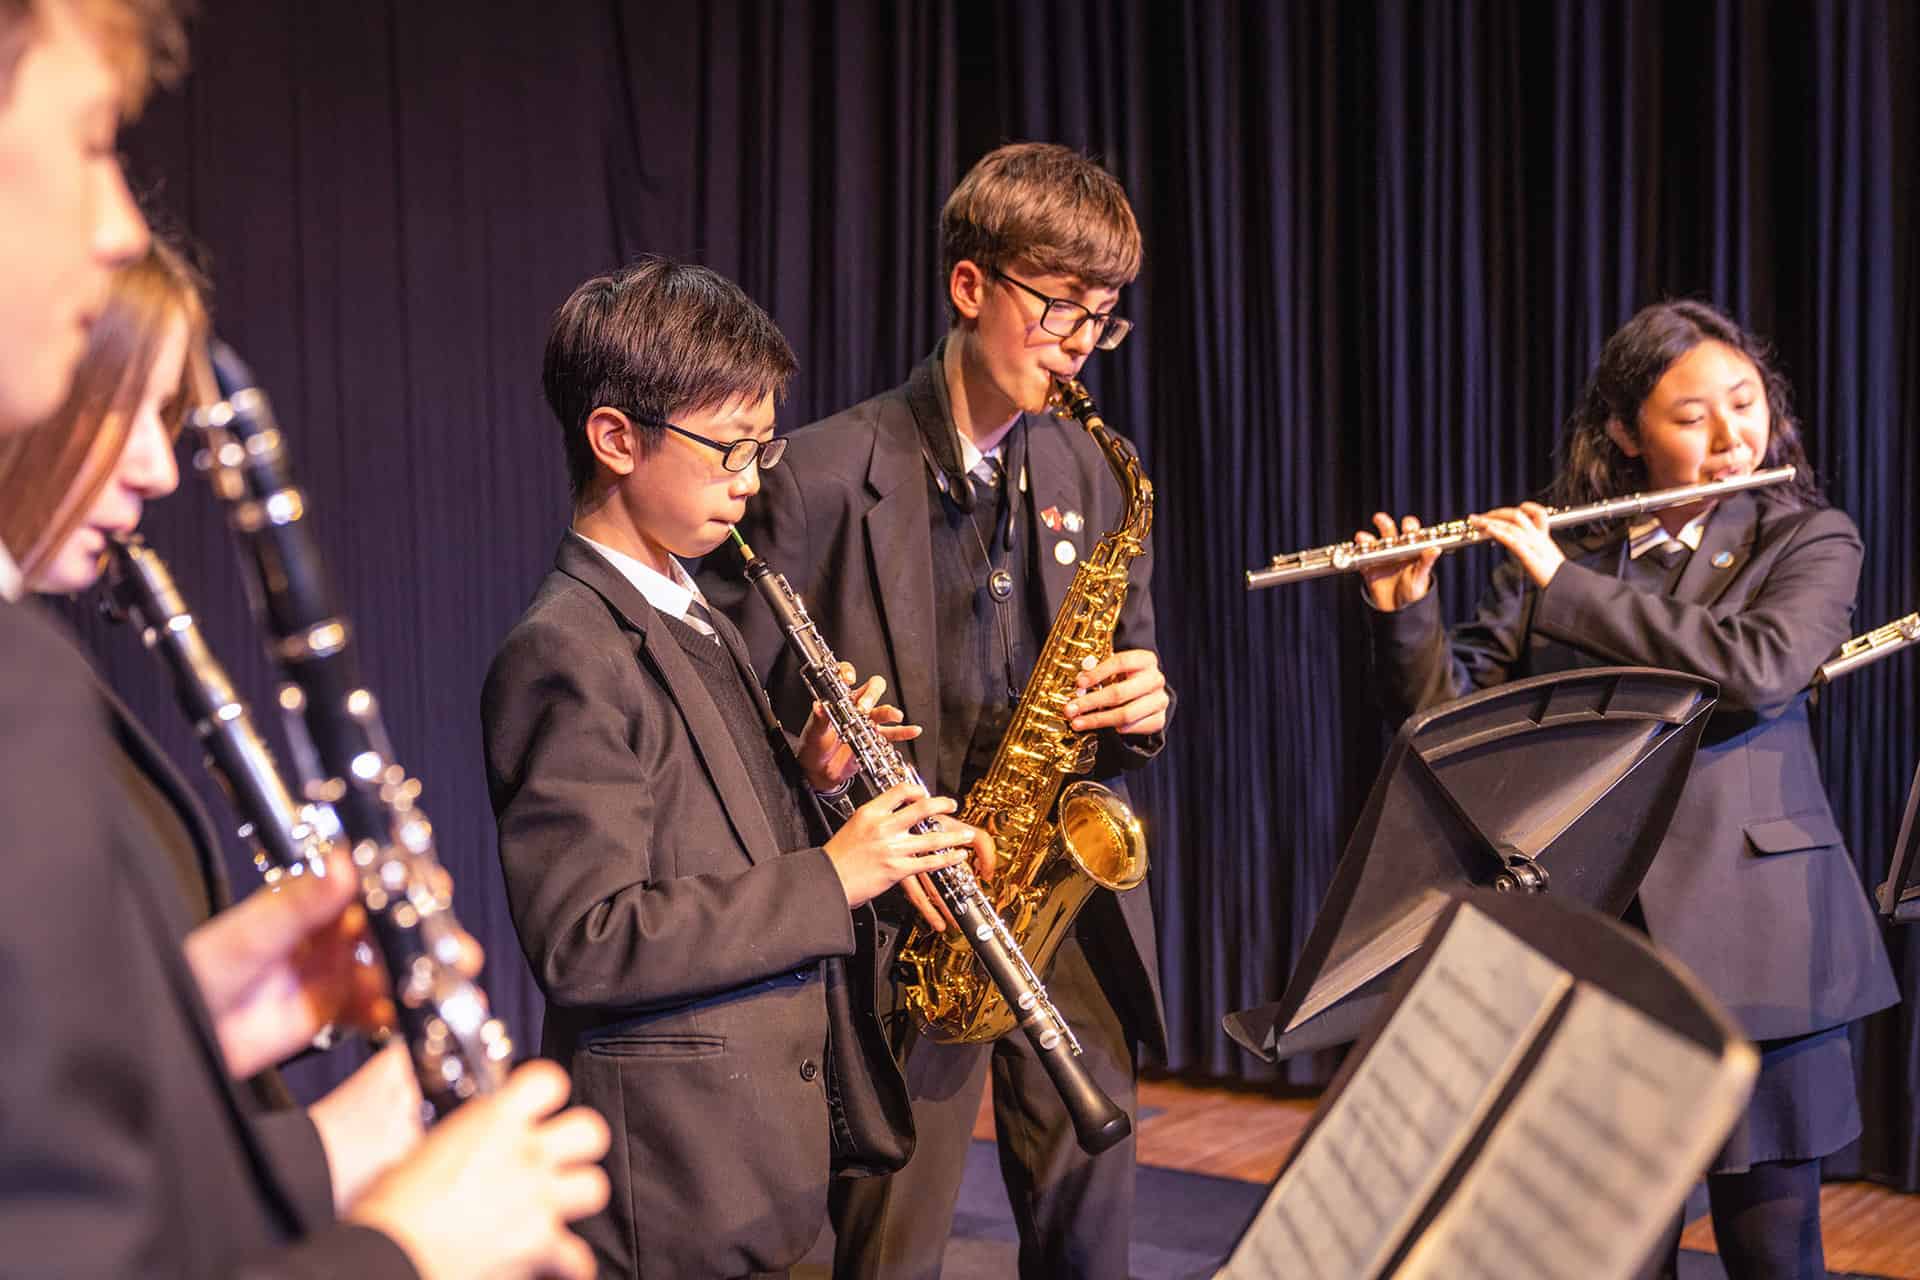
{"x": 737, "y": 455}
{"x": 1063, "y": 316}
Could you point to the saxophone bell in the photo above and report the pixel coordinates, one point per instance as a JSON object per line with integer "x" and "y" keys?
{"x": 1099, "y": 832}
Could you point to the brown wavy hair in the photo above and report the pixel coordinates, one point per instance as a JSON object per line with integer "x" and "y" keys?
{"x": 1045, "y": 205}
{"x": 51, "y": 473}
{"x": 1592, "y": 467}
{"x": 144, "y": 41}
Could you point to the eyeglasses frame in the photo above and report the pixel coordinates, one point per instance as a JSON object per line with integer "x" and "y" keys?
{"x": 776, "y": 447}
{"x": 1104, "y": 323}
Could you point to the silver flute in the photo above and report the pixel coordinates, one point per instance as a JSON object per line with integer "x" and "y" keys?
{"x": 1881, "y": 642}
{"x": 1097, "y": 1122}
{"x": 1351, "y": 557}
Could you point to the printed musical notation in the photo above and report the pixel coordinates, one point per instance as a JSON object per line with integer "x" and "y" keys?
{"x": 1581, "y": 1172}
{"x": 1349, "y": 1197}
{"x": 1581, "y": 1167}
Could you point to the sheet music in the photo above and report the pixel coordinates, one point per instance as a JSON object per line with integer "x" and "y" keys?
{"x": 1340, "y": 1209}
{"x": 1594, "y": 1156}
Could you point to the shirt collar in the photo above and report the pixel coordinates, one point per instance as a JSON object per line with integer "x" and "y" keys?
{"x": 670, "y": 595}
{"x": 12, "y": 586}
{"x": 1649, "y": 533}
{"x": 972, "y": 459}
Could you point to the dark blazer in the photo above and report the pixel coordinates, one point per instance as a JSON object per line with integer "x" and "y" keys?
{"x": 1753, "y": 888}
{"x": 124, "y": 1148}
{"x": 846, "y": 518}
{"x": 679, "y": 949}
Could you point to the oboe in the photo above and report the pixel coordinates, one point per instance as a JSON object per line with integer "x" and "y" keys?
{"x": 1351, "y": 557}
{"x": 1881, "y": 642}
{"x": 288, "y": 837}
{"x": 1097, "y": 1122}
{"x": 459, "y": 1048}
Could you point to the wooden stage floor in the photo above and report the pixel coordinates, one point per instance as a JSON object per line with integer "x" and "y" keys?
{"x": 1246, "y": 1133}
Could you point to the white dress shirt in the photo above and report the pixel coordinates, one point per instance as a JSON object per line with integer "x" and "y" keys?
{"x": 1650, "y": 533}
{"x": 670, "y": 595}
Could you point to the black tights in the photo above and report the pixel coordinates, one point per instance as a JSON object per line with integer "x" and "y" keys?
{"x": 1766, "y": 1221}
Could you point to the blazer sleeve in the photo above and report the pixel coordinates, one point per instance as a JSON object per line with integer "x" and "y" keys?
{"x": 1416, "y": 664}
{"x": 1762, "y": 654}
{"x": 568, "y": 744}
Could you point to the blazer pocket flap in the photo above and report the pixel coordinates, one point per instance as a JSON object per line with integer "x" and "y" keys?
{"x": 669, "y": 1044}
{"x": 1790, "y": 835}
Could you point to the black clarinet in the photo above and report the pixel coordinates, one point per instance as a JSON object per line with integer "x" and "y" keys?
{"x": 1097, "y": 1122}
{"x": 459, "y": 1049}
{"x": 288, "y": 837}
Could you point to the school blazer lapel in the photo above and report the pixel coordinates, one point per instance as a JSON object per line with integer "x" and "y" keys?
{"x": 1050, "y": 480}
{"x": 900, "y": 549}
{"x": 659, "y": 649}
{"x": 1723, "y": 553}
{"x": 153, "y": 762}
{"x": 157, "y": 895}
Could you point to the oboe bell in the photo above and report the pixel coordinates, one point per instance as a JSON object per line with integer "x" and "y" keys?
{"x": 1352, "y": 557}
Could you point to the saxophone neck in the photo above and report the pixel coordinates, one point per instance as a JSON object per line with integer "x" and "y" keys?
{"x": 1072, "y": 400}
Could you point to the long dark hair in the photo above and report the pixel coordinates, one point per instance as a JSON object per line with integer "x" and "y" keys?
{"x": 1592, "y": 467}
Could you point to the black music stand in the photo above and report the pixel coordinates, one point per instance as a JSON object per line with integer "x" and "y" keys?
{"x": 1561, "y": 783}
{"x": 1899, "y": 897}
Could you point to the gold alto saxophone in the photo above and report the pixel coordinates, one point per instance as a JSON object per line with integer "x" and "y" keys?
{"x": 1048, "y": 865}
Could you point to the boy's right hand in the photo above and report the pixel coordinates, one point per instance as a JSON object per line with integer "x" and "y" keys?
{"x": 1397, "y": 583}
{"x": 875, "y": 850}
{"x": 489, "y": 1191}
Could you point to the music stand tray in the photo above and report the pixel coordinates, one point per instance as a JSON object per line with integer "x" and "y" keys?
{"x": 1899, "y": 897}
{"x": 1562, "y": 783}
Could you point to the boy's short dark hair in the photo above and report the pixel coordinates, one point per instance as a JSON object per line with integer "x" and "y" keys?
{"x": 144, "y": 41}
{"x": 1045, "y": 205}
{"x": 655, "y": 339}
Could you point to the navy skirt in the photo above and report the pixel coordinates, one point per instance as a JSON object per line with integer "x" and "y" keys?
{"x": 1804, "y": 1105}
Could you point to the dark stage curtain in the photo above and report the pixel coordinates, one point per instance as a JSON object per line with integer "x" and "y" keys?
{"x": 1384, "y": 243}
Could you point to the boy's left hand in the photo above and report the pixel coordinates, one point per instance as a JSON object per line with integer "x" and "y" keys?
{"x": 1127, "y": 692}
{"x": 828, "y": 762}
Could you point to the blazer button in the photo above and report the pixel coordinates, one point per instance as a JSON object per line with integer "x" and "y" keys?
{"x": 809, "y": 1069}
